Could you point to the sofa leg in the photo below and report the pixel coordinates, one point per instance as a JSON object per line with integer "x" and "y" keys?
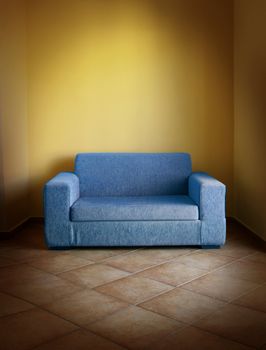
{"x": 210, "y": 247}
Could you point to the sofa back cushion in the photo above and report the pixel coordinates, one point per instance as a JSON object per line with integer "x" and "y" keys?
{"x": 133, "y": 174}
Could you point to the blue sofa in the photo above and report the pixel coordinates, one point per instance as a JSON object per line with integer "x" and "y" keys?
{"x": 134, "y": 199}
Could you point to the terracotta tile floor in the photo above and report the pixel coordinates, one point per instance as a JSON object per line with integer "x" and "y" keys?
{"x": 108, "y": 299}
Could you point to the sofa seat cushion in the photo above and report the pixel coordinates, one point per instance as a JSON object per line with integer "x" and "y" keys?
{"x": 133, "y": 208}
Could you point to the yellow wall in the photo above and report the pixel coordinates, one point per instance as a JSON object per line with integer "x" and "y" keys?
{"x": 136, "y": 75}
{"x": 250, "y": 114}
{"x": 13, "y": 115}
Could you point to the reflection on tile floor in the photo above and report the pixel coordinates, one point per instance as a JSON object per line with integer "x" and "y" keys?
{"x": 111, "y": 299}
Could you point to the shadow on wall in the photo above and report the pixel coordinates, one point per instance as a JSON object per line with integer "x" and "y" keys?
{"x": 63, "y": 164}
{"x": 250, "y": 173}
{"x": 2, "y": 191}
{"x": 57, "y": 166}
{"x": 257, "y": 78}
{"x": 14, "y": 195}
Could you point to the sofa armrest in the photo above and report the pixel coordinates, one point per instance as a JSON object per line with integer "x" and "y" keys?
{"x": 209, "y": 194}
{"x": 59, "y": 194}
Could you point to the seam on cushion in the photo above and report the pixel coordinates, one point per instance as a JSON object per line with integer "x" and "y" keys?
{"x": 200, "y": 231}
{"x": 188, "y": 220}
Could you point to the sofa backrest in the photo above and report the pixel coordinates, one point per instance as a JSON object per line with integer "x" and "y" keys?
{"x": 133, "y": 174}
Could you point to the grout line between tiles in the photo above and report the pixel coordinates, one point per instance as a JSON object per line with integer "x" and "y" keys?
{"x": 137, "y": 304}
{"x": 35, "y": 306}
{"x": 245, "y": 293}
{"x": 76, "y": 330}
{"x": 58, "y": 273}
{"x": 52, "y": 340}
{"x": 146, "y": 248}
{"x": 109, "y": 257}
{"x": 130, "y": 274}
{"x": 172, "y": 286}
{"x": 28, "y": 261}
{"x": 142, "y": 270}
{"x": 193, "y": 324}
{"x": 193, "y": 279}
{"x": 222, "y": 336}
{"x": 41, "y": 307}
{"x": 90, "y": 262}
{"x": 83, "y": 327}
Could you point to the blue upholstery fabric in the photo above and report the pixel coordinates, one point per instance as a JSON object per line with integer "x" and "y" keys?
{"x": 136, "y": 233}
{"x": 59, "y": 194}
{"x": 133, "y": 174}
{"x": 162, "y": 214}
{"x": 147, "y": 208}
{"x": 209, "y": 194}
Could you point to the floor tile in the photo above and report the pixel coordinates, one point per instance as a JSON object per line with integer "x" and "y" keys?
{"x": 80, "y": 340}
{"x": 237, "y": 323}
{"x": 59, "y": 263}
{"x": 31, "y": 328}
{"x": 6, "y": 262}
{"x": 204, "y": 260}
{"x": 172, "y": 273}
{"x": 233, "y": 231}
{"x": 144, "y": 258}
{"x": 7, "y": 243}
{"x": 134, "y": 327}
{"x": 25, "y": 254}
{"x": 11, "y": 305}
{"x": 259, "y": 257}
{"x": 246, "y": 270}
{"x": 42, "y": 290}
{"x": 134, "y": 289}
{"x": 237, "y": 248}
{"x": 12, "y": 275}
{"x": 71, "y": 301}
{"x": 94, "y": 275}
{"x": 96, "y": 254}
{"x": 255, "y": 299}
{"x": 221, "y": 287}
{"x": 85, "y": 306}
{"x": 182, "y": 305}
{"x": 31, "y": 236}
{"x": 191, "y": 338}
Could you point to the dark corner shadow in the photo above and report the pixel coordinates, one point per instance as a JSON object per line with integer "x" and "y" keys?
{"x": 61, "y": 165}
{"x": 30, "y": 235}
{"x": 57, "y": 166}
{"x": 37, "y": 183}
